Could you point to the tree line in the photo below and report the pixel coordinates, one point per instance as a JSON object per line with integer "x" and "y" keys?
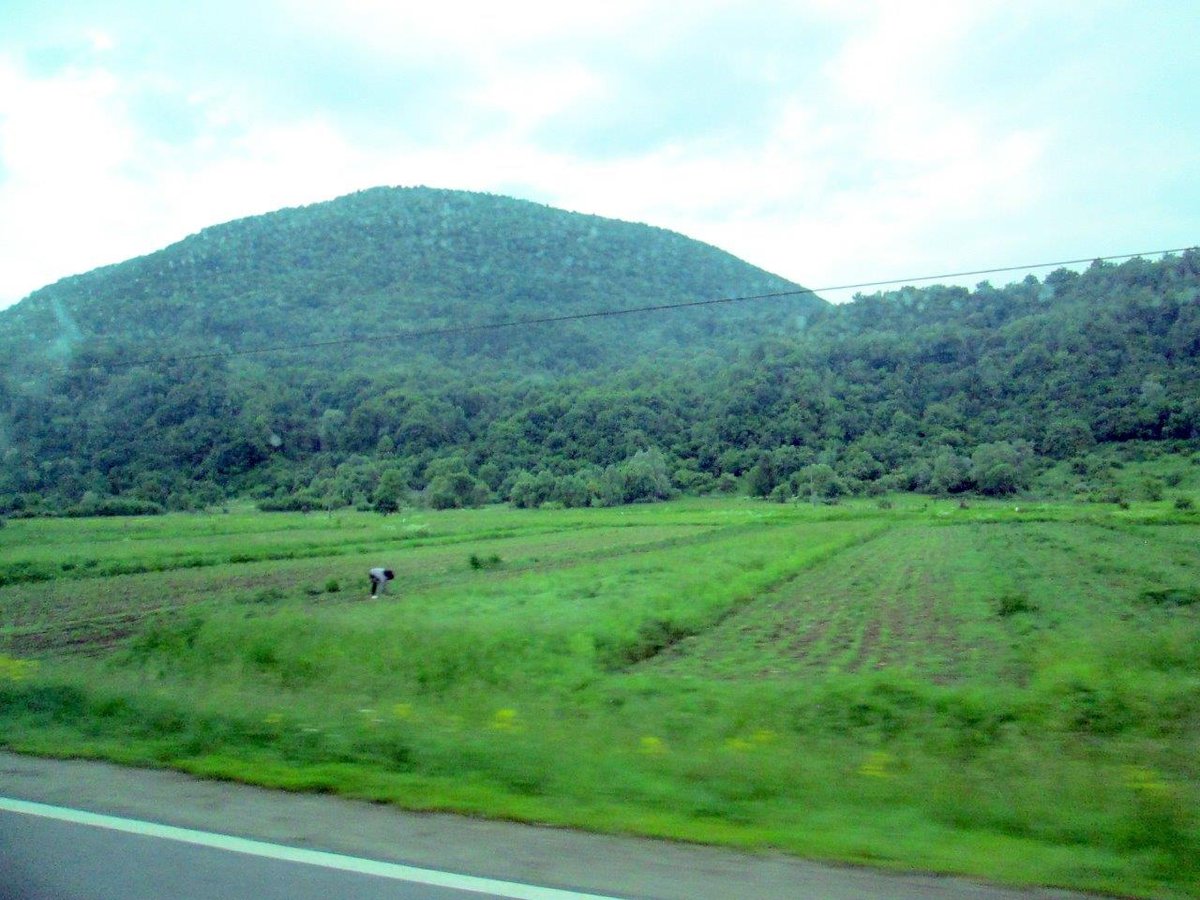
{"x": 941, "y": 390}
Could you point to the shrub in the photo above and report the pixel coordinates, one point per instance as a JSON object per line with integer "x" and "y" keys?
{"x": 479, "y": 562}
{"x": 115, "y": 506}
{"x": 1171, "y": 596}
{"x": 1012, "y": 604}
{"x": 295, "y": 503}
{"x": 1001, "y": 468}
{"x": 457, "y": 490}
{"x": 266, "y": 595}
{"x": 1184, "y": 503}
{"x": 1152, "y": 489}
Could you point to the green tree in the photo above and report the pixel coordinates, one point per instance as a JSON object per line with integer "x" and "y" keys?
{"x": 763, "y": 477}
{"x": 452, "y": 486}
{"x": 646, "y": 477}
{"x": 1066, "y": 438}
{"x": 818, "y": 482}
{"x": 457, "y": 490}
{"x": 1000, "y": 468}
{"x": 951, "y": 473}
{"x": 392, "y": 490}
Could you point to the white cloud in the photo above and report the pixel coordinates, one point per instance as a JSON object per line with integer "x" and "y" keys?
{"x": 101, "y": 41}
{"x": 473, "y": 32}
{"x": 873, "y": 163}
{"x": 62, "y": 153}
{"x": 528, "y": 96}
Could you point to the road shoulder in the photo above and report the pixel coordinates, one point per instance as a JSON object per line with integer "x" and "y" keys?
{"x": 603, "y": 864}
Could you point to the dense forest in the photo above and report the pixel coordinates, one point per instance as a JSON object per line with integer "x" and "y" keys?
{"x": 160, "y": 383}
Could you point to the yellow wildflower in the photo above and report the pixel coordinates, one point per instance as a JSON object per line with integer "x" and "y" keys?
{"x": 16, "y": 669}
{"x": 652, "y": 746}
{"x": 1145, "y": 781}
{"x": 758, "y": 738}
{"x": 506, "y": 720}
{"x": 876, "y": 765}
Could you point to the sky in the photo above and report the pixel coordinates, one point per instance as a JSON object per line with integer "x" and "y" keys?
{"x": 827, "y": 141}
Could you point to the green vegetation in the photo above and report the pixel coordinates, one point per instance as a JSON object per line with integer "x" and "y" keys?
{"x": 1038, "y": 386}
{"x": 851, "y": 671}
{"x": 1009, "y": 690}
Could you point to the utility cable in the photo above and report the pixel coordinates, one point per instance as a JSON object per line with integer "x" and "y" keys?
{"x": 613, "y": 312}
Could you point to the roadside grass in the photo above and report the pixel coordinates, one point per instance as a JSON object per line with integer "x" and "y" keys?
{"x": 1005, "y": 691}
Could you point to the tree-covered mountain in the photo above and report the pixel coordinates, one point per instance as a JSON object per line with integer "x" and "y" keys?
{"x": 143, "y": 381}
{"x": 387, "y": 261}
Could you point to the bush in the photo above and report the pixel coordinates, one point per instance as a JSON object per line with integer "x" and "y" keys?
{"x": 1001, "y": 469}
{"x": 457, "y": 490}
{"x": 1184, "y": 503}
{"x": 115, "y": 506}
{"x": 1012, "y": 604}
{"x": 294, "y": 503}
{"x": 479, "y": 562}
{"x": 818, "y": 482}
{"x": 266, "y": 595}
{"x": 1152, "y": 489}
{"x": 548, "y": 491}
{"x": 646, "y": 477}
{"x": 1171, "y": 596}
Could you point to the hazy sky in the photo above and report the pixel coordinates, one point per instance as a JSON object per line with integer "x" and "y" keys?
{"x": 828, "y": 141}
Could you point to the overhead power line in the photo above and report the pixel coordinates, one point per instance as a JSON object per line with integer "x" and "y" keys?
{"x": 620, "y": 311}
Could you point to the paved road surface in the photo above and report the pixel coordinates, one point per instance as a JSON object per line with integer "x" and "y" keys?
{"x": 330, "y": 847}
{"x": 49, "y": 859}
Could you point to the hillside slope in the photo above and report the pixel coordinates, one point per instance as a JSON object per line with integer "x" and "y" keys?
{"x": 391, "y": 260}
{"x": 142, "y": 381}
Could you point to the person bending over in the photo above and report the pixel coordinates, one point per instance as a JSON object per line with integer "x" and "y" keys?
{"x": 379, "y": 580}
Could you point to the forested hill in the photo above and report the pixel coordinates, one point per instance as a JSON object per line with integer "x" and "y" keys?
{"x": 390, "y": 260}
{"x": 937, "y": 389}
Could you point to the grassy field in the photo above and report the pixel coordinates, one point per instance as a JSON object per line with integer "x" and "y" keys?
{"x": 1007, "y": 691}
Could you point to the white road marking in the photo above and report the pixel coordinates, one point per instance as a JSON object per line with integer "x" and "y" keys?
{"x": 395, "y": 871}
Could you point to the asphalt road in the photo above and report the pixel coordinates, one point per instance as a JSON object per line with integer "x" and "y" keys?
{"x": 47, "y": 859}
{"x": 156, "y": 834}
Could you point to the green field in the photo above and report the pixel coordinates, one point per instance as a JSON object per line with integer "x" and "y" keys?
{"x": 1003, "y": 690}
